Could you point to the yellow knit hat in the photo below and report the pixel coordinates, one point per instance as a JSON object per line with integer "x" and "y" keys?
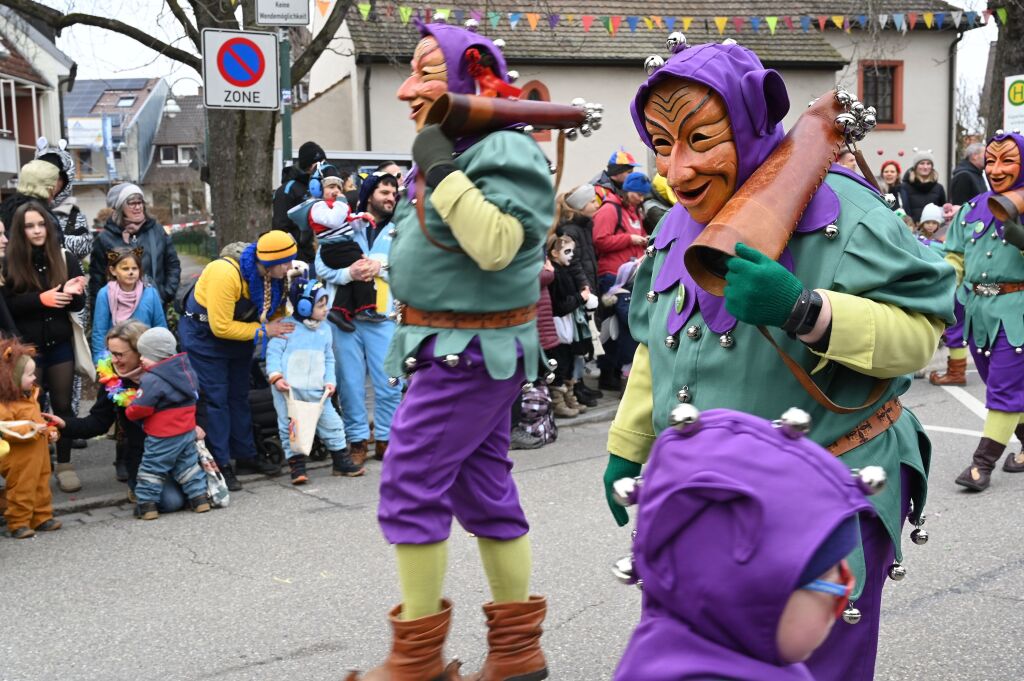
{"x": 276, "y": 247}
{"x": 38, "y": 178}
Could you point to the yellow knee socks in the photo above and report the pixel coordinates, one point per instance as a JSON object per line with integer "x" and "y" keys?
{"x": 958, "y": 353}
{"x": 508, "y": 565}
{"x": 999, "y": 425}
{"x": 421, "y": 569}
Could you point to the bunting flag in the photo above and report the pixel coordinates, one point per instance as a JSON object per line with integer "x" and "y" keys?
{"x": 632, "y": 22}
{"x": 514, "y": 18}
{"x": 863, "y": 20}
{"x": 670, "y": 23}
{"x": 613, "y": 25}
{"x": 404, "y": 13}
{"x": 987, "y": 14}
{"x": 553, "y": 20}
{"x": 755, "y": 23}
{"x": 1001, "y": 13}
{"x": 838, "y": 20}
{"x": 720, "y": 22}
{"x": 883, "y": 19}
{"x": 657, "y": 21}
{"x": 957, "y": 16}
{"x": 772, "y": 23}
{"x": 389, "y": 10}
{"x": 476, "y": 14}
{"x": 687, "y": 22}
{"x": 364, "y": 10}
{"x": 846, "y": 24}
{"x": 737, "y": 22}
{"x": 805, "y": 24}
{"x": 972, "y": 18}
{"x": 940, "y": 18}
{"x": 494, "y": 19}
{"x": 788, "y": 21}
{"x": 586, "y": 20}
{"x": 442, "y": 14}
{"x": 322, "y": 6}
{"x": 533, "y": 19}
{"x": 649, "y": 23}
{"x": 911, "y": 20}
{"x": 897, "y": 20}
{"x": 460, "y": 16}
{"x": 929, "y": 18}
{"x": 821, "y": 23}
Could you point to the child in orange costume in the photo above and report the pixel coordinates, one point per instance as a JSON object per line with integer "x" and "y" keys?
{"x": 26, "y": 467}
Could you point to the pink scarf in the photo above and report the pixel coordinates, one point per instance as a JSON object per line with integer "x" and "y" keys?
{"x": 130, "y": 229}
{"x": 123, "y": 303}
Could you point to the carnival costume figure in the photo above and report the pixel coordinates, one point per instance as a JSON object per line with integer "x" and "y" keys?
{"x": 466, "y": 277}
{"x": 861, "y": 302}
{"x": 987, "y": 254}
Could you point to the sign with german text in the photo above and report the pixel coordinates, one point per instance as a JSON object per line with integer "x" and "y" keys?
{"x": 282, "y": 12}
{"x": 240, "y": 70}
{"x": 1013, "y": 103}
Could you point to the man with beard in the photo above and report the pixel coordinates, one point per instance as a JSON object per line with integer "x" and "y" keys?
{"x": 361, "y": 351}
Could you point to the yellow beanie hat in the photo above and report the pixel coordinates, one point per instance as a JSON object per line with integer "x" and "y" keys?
{"x": 276, "y": 247}
{"x": 38, "y": 178}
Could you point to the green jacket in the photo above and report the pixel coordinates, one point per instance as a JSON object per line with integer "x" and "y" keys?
{"x": 512, "y": 174}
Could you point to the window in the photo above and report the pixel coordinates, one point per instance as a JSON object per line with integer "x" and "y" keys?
{"x": 85, "y": 168}
{"x": 125, "y": 101}
{"x": 880, "y": 84}
{"x": 537, "y": 91}
{"x": 168, "y": 155}
{"x": 186, "y": 154}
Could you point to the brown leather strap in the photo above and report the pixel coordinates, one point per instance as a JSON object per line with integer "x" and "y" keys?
{"x": 865, "y": 170}
{"x": 503, "y": 319}
{"x": 875, "y": 425}
{"x": 559, "y": 159}
{"x": 812, "y": 388}
{"x": 421, "y": 213}
{"x": 998, "y": 289}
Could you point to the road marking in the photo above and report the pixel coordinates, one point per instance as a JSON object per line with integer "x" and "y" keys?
{"x": 968, "y": 400}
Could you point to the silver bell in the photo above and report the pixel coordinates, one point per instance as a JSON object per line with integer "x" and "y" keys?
{"x": 851, "y": 615}
{"x": 671, "y": 342}
{"x": 693, "y": 332}
{"x": 999, "y": 132}
{"x": 528, "y": 129}
{"x": 871, "y": 111}
{"x": 795, "y": 423}
{"x": 1018, "y": 350}
{"x": 409, "y": 364}
{"x": 650, "y": 251}
{"x": 626, "y": 490}
{"x": 684, "y": 394}
{"x": 676, "y": 42}
{"x": 549, "y": 379}
{"x": 870, "y": 479}
{"x": 831, "y": 232}
{"x": 685, "y": 418}
{"x": 578, "y": 102}
{"x": 624, "y": 571}
{"x": 471, "y": 24}
{"x": 919, "y": 536}
{"x": 512, "y": 76}
{"x": 451, "y": 360}
{"x": 726, "y": 340}
{"x": 527, "y": 387}
{"x": 652, "y": 296}
{"x": 890, "y": 200}
{"x": 653, "y": 63}
{"x": 843, "y": 97}
{"x": 857, "y": 108}
{"x": 869, "y": 121}
{"x": 729, "y": 41}
{"x": 586, "y": 130}
{"x": 552, "y": 364}
{"x": 392, "y": 232}
{"x": 845, "y": 122}
{"x": 595, "y": 124}
{"x": 897, "y": 572}
{"x": 393, "y": 381}
{"x": 499, "y": 43}
{"x": 572, "y": 134}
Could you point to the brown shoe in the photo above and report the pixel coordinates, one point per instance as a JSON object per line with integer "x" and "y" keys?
{"x": 956, "y": 373}
{"x": 513, "y": 642}
{"x": 570, "y": 398}
{"x": 1015, "y": 461}
{"x": 559, "y": 405}
{"x": 978, "y": 476}
{"x": 416, "y": 650}
{"x": 51, "y": 525}
{"x": 358, "y": 452}
{"x": 380, "y": 447}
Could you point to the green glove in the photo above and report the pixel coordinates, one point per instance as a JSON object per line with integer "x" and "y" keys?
{"x": 432, "y": 151}
{"x": 758, "y": 290}
{"x": 617, "y": 469}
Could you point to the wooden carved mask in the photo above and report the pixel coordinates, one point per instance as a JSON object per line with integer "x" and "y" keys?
{"x": 1002, "y": 164}
{"x": 427, "y": 82}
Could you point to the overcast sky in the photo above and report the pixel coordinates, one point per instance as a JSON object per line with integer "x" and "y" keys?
{"x": 102, "y": 54}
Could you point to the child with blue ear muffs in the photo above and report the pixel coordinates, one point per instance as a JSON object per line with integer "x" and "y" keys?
{"x": 301, "y": 366}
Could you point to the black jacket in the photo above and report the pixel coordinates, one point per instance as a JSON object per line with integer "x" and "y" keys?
{"x": 38, "y": 324}
{"x": 967, "y": 183}
{"x": 13, "y": 202}
{"x": 917, "y": 194}
{"x": 565, "y": 295}
{"x": 293, "y": 191}
{"x": 584, "y": 260}
{"x": 131, "y": 439}
{"x": 160, "y": 261}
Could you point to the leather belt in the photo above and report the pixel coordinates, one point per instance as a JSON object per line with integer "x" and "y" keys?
{"x": 989, "y": 290}
{"x": 410, "y": 316}
{"x": 875, "y": 425}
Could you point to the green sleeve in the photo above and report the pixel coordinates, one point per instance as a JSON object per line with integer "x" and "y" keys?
{"x": 488, "y": 236}
{"x": 632, "y": 432}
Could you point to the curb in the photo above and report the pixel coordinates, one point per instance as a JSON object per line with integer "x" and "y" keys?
{"x": 598, "y": 414}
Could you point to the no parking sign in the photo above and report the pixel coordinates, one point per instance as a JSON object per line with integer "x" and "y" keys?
{"x": 240, "y": 69}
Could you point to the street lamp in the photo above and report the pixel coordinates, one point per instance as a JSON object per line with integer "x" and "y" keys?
{"x": 172, "y": 109}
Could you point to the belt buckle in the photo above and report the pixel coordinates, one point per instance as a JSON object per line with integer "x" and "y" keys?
{"x": 987, "y": 290}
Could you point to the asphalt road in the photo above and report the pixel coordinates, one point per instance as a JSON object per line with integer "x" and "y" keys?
{"x": 295, "y": 583}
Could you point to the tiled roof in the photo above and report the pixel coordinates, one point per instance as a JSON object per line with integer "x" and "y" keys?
{"x": 171, "y": 174}
{"x": 15, "y": 65}
{"x": 187, "y": 127}
{"x": 87, "y": 93}
{"x": 385, "y": 36}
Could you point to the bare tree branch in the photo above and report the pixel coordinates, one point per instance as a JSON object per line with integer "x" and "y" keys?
{"x": 309, "y": 56}
{"x": 58, "y": 20}
{"x": 190, "y": 30}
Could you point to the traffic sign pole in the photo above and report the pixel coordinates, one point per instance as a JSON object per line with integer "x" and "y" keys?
{"x": 286, "y": 102}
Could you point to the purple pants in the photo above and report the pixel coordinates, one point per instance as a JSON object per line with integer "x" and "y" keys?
{"x": 1003, "y": 374}
{"x": 954, "y": 335}
{"x": 848, "y": 654}
{"x": 448, "y": 454}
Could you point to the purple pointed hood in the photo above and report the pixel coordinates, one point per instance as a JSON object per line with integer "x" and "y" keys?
{"x": 728, "y": 519}
{"x": 756, "y": 100}
{"x": 979, "y": 204}
{"x": 454, "y": 42}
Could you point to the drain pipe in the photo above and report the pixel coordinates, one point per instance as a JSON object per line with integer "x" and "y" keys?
{"x": 951, "y": 141}
{"x": 366, "y": 103}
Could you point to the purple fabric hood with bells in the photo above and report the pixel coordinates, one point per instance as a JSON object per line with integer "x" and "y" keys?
{"x": 728, "y": 518}
{"x": 756, "y": 100}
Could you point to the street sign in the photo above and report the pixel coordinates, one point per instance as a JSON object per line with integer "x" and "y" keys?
{"x": 240, "y": 70}
{"x": 282, "y": 12}
{"x": 1013, "y": 103}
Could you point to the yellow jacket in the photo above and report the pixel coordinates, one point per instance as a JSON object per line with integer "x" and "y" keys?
{"x": 219, "y": 289}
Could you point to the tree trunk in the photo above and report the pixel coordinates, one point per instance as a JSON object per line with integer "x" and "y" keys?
{"x": 1009, "y": 59}
{"x": 241, "y": 169}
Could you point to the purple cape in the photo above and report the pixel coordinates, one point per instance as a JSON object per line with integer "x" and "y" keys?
{"x": 979, "y": 204}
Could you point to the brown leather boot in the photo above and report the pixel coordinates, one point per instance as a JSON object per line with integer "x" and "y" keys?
{"x": 358, "y": 451}
{"x": 978, "y": 476}
{"x": 570, "y": 398}
{"x": 956, "y": 373}
{"x": 513, "y": 642}
{"x": 380, "y": 447}
{"x": 416, "y": 650}
{"x": 1015, "y": 461}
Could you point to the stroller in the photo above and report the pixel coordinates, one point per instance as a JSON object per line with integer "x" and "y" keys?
{"x": 264, "y": 421}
